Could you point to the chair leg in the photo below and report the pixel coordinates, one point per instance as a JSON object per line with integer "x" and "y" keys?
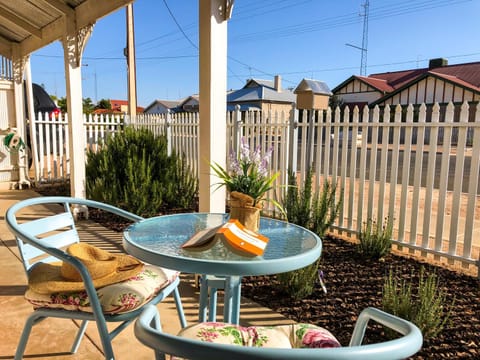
{"x": 202, "y": 311}
{"x": 178, "y": 304}
{"x": 105, "y": 338}
{"x": 212, "y": 305}
{"x": 156, "y": 324}
{"x": 32, "y": 319}
{"x": 78, "y": 338}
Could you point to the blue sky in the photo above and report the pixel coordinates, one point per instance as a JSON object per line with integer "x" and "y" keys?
{"x": 293, "y": 38}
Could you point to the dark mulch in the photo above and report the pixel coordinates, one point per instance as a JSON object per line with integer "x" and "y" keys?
{"x": 354, "y": 284}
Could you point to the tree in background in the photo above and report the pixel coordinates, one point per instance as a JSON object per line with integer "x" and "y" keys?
{"x": 104, "y": 104}
{"x": 88, "y": 106}
{"x": 62, "y": 104}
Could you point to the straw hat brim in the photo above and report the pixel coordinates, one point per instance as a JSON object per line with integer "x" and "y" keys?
{"x": 46, "y": 278}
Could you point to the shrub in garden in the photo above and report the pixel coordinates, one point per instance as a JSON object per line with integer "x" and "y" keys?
{"x": 375, "y": 240}
{"x": 424, "y": 305}
{"x": 316, "y": 212}
{"x": 134, "y": 171}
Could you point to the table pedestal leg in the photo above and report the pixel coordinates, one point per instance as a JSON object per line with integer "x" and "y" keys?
{"x": 231, "y": 310}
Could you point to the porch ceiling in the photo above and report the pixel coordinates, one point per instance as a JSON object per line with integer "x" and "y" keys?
{"x": 32, "y": 24}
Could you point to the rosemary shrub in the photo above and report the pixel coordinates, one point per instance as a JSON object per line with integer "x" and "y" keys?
{"x": 424, "y": 305}
{"x": 316, "y": 212}
{"x": 134, "y": 171}
{"x": 375, "y": 240}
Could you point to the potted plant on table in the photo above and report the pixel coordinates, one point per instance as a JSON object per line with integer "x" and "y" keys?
{"x": 247, "y": 180}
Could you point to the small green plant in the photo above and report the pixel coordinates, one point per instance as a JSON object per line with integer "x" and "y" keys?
{"x": 316, "y": 212}
{"x": 375, "y": 240}
{"x": 425, "y": 306}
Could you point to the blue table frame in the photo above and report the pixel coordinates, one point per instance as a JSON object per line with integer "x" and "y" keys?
{"x": 158, "y": 241}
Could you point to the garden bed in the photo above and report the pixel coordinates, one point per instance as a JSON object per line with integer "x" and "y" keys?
{"x": 353, "y": 283}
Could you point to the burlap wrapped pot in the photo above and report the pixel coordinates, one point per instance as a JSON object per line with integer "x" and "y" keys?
{"x": 242, "y": 209}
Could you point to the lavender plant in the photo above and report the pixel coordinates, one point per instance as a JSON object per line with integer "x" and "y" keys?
{"x": 248, "y": 173}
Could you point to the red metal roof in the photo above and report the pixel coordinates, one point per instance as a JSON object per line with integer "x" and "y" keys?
{"x": 463, "y": 74}
{"x": 380, "y": 84}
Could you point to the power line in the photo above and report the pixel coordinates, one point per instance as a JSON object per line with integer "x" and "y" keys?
{"x": 333, "y": 69}
{"x": 178, "y": 25}
{"x": 377, "y": 13}
{"x": 196, "y": 47}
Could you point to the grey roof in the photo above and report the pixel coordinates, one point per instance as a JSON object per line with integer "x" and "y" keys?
{"x": 260, "y": 82}
{"x": 261, "y": 92}
{"x": 315, "y": 86}
{"x": 169, "y": 104}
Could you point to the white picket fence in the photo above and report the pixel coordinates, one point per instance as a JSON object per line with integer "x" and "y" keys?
{"x": 420, "y": 170}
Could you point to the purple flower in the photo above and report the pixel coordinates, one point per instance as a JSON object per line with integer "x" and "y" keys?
{"x": 256, "y": 156}
{"x": 244, "y": 150}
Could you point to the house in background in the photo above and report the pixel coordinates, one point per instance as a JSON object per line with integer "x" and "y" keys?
{"x": 439, "y": 82}
{"x": 261, "y": 95}
{"x": 312, "y": 94}
{"x": 117, "y": 107}
{"x": 122, "y": 106}
{"x": 190, "y": 104}
{"x": 264, "y": 95}
{"x": 161, "y": 106}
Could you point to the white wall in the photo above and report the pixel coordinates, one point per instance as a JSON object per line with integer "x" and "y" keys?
{"x": 7, "y": 120}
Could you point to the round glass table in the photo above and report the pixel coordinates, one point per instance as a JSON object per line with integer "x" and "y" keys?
{"x": 158, "y": 241}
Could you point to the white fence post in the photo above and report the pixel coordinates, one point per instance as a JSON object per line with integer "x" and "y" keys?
{"x": 237, "y": 130}
{"x": 168, "y": 132}
{"x": 293, "y": 144}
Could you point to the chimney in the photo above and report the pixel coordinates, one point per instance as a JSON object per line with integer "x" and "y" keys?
{"x": 278, "y": 83}
{"x": 435, "y": 63}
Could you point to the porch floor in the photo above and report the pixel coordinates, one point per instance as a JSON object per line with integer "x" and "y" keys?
{"x": 52, "y": 338}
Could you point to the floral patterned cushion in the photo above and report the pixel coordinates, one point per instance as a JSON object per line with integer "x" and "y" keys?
{"x": 310, "y": 336}
{"x": 116, "y": 298}
{"x": 283, "y": 336}
{"x": 222, "y": 333}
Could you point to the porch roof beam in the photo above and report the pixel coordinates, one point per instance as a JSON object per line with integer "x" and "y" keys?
{"x": 5, "y": 48}
{"x": 62, "y": 7}
{"x": 10, "y": 16}
{"x": 85, "y": 14}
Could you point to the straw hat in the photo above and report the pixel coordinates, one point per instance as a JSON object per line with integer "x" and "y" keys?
{"x": 104, "y": 268}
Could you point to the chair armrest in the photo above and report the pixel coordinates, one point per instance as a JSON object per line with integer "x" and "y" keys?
{"x": 412, "y": 336}
{"x": 99, "y": 205}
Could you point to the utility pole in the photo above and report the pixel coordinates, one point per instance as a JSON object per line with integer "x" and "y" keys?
{"x": 130, "y": 54}
{"x": 364, "y": 47}
{"x": 363, "y": 60}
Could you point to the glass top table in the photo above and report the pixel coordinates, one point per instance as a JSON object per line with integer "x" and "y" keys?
{"x": 158, "y": 241}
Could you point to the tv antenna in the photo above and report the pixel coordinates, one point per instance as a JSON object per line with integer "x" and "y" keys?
{"x": 364, "y": 47}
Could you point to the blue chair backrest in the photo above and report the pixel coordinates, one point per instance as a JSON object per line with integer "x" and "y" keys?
{"x": 148, "y": 331}
{"x": 48, "y": 228}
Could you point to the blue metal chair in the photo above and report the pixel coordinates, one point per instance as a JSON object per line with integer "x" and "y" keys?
{"x": 40, "y": 235}
{"x": 148, "y": 331}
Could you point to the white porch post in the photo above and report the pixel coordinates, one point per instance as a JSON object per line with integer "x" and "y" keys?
{"x": 213, "y": 15}
{"x": 73, "y": 45}
{"x": 18, "y": 64}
